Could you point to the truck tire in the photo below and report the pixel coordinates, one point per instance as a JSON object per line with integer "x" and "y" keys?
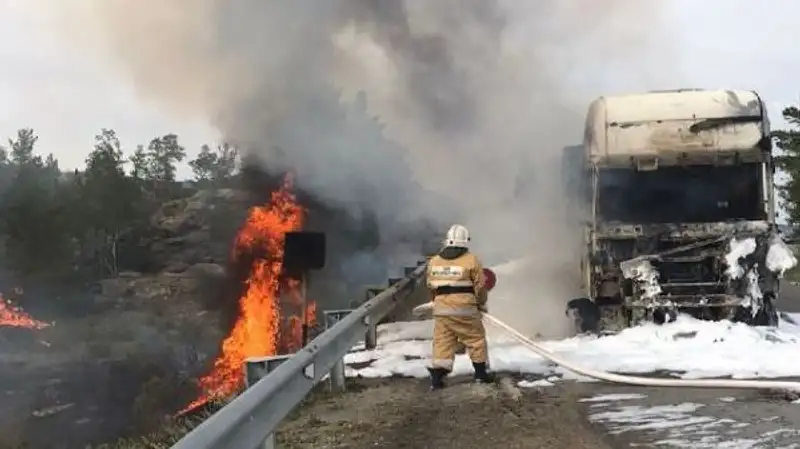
{"x": 767, "y": 315}
{"x": 585, "y": 315}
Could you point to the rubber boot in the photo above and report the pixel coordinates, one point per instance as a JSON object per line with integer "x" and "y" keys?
{"x": 482, "y": 375}
{"x": 437, "y": 378}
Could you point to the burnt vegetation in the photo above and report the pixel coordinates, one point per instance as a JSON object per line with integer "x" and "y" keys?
{"x": 124, "y": 258}
{"x": 79, "y": 248}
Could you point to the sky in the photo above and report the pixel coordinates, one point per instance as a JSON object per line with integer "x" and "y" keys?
{"x": 67, "y": 96}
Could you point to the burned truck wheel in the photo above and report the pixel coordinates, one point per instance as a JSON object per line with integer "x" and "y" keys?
{"x": 664, "y": 315}
{"x": 584, "y": 314}
{"x": 767, "y": 314}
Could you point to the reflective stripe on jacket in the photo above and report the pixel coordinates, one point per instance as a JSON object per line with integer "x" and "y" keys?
{"x": 456, "y": 267}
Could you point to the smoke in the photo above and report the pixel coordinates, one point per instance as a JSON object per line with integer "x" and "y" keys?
{"x": 414, "y": 111}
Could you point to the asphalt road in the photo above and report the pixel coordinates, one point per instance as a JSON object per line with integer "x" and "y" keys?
{"x": 696, "y": 418}
{"x": 699, "y": 418}
{"x": 790, "y": 298}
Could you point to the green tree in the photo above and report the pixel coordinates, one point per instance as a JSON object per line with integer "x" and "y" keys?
{"x": 109, "y": 201}
{"x": 163, "y": 154}
{"x": 22, "y": 148}
{"x": 215, "y": 166}
{"x": 788, "y": 141}
{"x": 203, "y": 164}
{"x": 140, "y": 165}
{"x": 32, "y": 215}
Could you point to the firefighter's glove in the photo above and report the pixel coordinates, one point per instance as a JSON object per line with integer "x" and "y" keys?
{"x": 423, "y": 309}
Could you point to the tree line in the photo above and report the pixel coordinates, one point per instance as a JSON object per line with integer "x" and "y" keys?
{"x": 788, "y": 161}
{"x": 60, "y": 226}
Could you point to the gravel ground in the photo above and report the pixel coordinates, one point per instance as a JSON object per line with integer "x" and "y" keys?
{"x": 402, "y": 413}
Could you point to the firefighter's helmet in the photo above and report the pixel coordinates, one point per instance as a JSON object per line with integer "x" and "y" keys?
{"x": 457, "y": 236}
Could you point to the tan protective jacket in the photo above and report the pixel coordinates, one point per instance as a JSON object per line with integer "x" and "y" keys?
{"x": 455, "y": 279}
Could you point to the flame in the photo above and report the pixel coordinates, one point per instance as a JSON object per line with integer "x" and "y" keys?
{"x": 257, "y": 330}
{"x": 14, "y": 317}
{"x": 298, "y": 324}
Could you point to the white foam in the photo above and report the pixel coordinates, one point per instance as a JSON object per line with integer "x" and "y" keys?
{"x": 688, "y": 347}
{"x": 678, "y": 425}
{"x": 687, "y": 425}
{"x": 737, "y": 250}
{"x": 535, "y": 383}
{"x": 780, "y": 257}
{"x": 643, "y": 271}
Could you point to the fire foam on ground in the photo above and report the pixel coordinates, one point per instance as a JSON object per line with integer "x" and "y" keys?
{"x": 689, "y": 348}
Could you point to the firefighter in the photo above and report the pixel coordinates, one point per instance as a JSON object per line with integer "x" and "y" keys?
{"x": 456, "y": 281}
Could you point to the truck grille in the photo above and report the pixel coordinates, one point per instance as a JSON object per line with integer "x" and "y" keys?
{"x": 687, "y": 277}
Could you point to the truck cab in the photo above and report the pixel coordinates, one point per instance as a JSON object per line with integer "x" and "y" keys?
{"x": 676, "y": 193}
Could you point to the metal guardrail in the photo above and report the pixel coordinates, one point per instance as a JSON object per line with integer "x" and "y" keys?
{"x": 249, "y": 421}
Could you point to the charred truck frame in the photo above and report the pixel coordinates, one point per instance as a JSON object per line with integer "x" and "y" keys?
{"x": 667, "y": 184}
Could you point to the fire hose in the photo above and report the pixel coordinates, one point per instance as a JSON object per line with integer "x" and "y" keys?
{"x": 740, "y": 384}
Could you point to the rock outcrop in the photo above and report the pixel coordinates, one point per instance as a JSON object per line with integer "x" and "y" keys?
{"x": 195, "y": 230}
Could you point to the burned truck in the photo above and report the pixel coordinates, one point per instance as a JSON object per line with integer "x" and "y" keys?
{"x": 674, "y": 191}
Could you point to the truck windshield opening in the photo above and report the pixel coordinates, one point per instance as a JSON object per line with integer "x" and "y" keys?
{"x": 689, "y": 194}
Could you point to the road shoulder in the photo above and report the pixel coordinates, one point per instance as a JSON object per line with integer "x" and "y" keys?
{"x": 402, "y": 413}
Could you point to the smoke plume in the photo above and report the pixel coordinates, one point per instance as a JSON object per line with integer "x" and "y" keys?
{"x": 414, "y": 111}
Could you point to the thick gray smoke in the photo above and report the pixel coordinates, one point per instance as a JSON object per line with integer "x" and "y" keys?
{"x": 413, "y": 110}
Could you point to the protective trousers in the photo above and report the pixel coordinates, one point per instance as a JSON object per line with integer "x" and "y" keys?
{"x": 449, "y": 331}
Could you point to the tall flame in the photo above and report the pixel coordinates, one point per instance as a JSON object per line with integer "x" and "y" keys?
{"x": 257, "y": 330}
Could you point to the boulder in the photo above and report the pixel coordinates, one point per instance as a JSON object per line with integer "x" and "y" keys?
{"x": 194, "y": 230}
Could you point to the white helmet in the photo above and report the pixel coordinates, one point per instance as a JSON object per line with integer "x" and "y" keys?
{"x": 457, "y": 236}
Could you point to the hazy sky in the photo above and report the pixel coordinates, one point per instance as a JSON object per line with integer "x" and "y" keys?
{"x": 67, "y": 97}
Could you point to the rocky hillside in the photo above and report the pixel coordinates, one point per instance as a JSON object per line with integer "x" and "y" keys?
{"x": 130, "y": 359}
{"x": 130, "y": 355}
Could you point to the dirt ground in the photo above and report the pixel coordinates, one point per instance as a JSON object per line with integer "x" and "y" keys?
{"x": 402, "y": 413}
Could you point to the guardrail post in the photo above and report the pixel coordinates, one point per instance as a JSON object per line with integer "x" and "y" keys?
{"x": 337, "y": 374}
{"x": 371, "y": 337}
{"x": 256, "y": 368}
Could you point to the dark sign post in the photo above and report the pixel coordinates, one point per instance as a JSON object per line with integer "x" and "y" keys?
{"x": 303, "y": 252}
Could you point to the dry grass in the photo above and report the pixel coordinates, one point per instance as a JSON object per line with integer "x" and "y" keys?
{"x": 173, "y": 431}
{"x": 162, "y": 439}
{"x": 167, "y": 435}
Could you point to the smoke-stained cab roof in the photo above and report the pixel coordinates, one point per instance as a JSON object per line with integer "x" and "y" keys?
{"x": 683, "y": 126}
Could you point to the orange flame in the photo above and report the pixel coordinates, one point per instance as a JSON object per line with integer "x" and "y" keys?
{"x": 14, "y": 317}
{"x": 257, "y": 331}
{"x": 298, "y": 325}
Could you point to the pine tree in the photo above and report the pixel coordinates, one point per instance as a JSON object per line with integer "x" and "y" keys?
{"x": 788, "y": 141}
